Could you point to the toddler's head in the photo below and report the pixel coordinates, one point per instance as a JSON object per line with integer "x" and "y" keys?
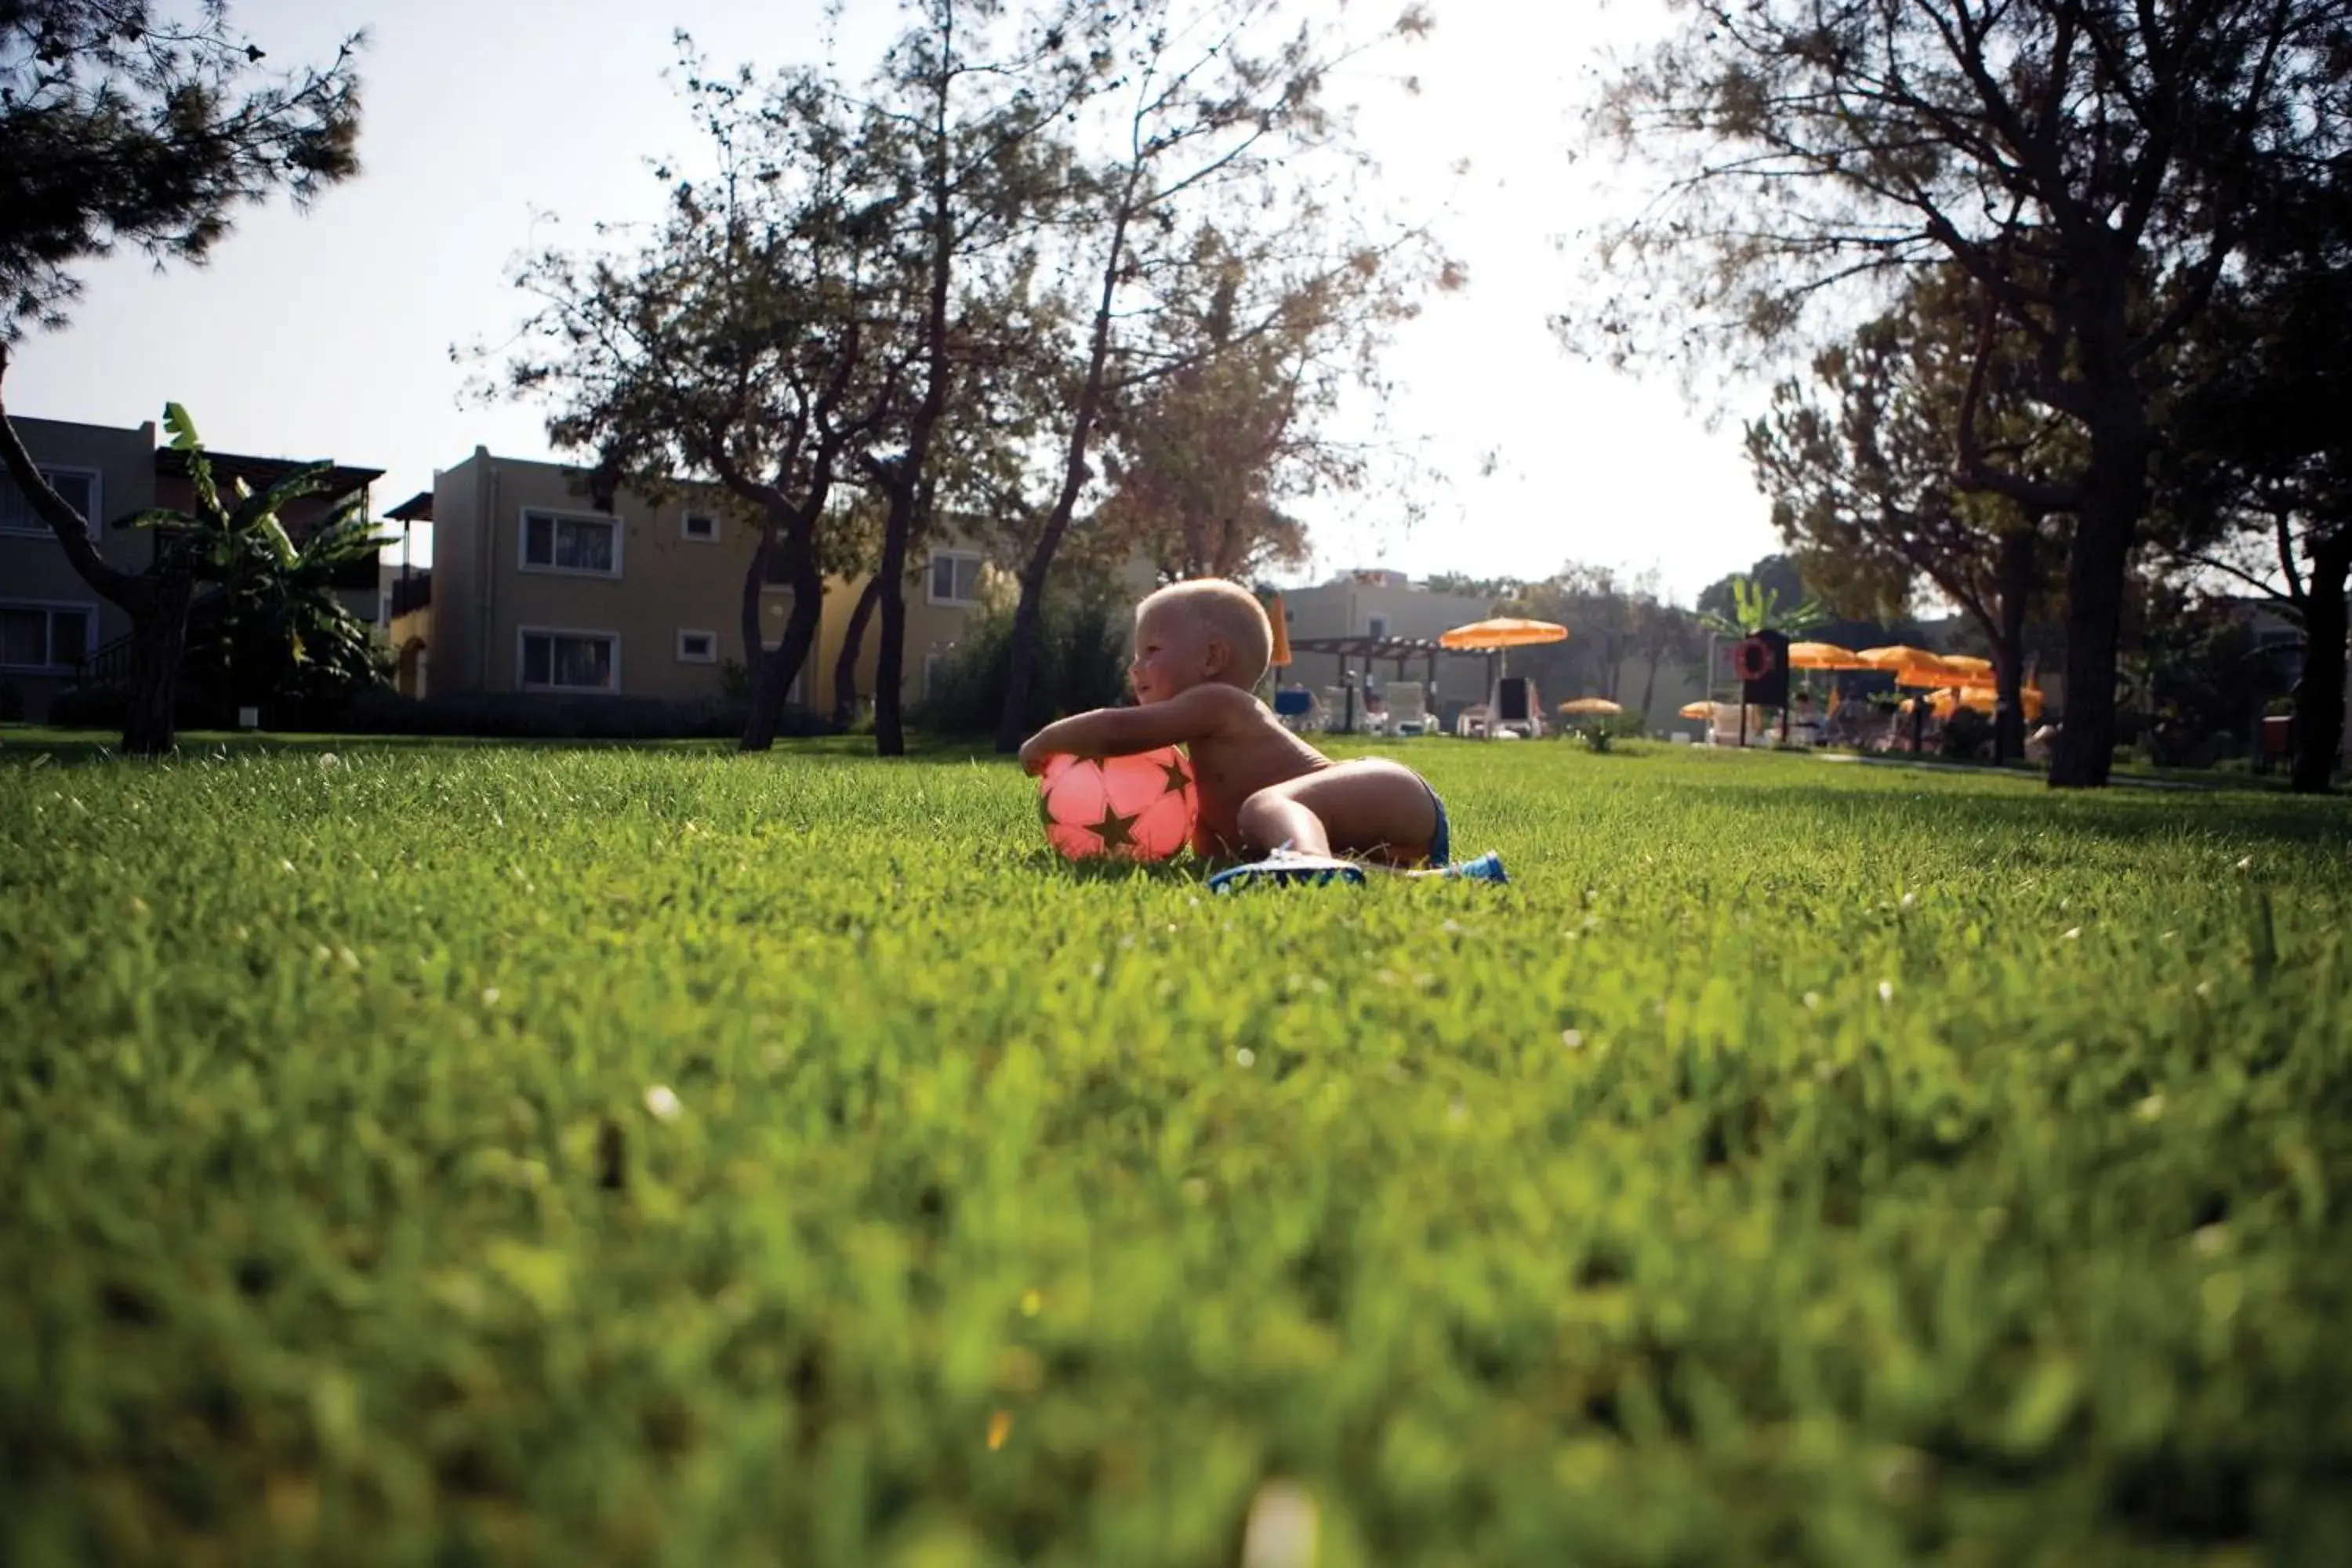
{"x": 1191, "y": 633}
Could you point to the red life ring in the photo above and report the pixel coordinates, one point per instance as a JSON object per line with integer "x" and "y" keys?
{"x": 1751, "y": 659}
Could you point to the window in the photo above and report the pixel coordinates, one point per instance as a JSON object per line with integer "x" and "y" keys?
{"x": 552, "y": 542}
{"x": 697, "y": 647}
{"x": 935, "y": 665}
{"x": 45, "y": 636}
{"x": 1377, "y": 628}
{"x": 571, "y": 662}
{"x": 77, "y": 486}
{"x": 700, "y": 527}
{"x": 955, "y": 577}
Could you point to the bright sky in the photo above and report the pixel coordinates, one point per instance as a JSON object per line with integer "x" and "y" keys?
{"x": 329, "y": 334}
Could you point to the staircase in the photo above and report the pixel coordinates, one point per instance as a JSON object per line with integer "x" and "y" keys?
{"x": 111, "y": 664}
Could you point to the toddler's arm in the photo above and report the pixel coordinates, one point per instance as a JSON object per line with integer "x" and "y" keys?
{"x": 1183, "y": 718}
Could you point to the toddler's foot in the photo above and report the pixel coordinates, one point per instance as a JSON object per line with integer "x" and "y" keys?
{"x": 1487, "y": 867}
{"x": 1288, "y": 869}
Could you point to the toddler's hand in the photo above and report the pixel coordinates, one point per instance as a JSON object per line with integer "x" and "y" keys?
{"x": 1034, "y": 757}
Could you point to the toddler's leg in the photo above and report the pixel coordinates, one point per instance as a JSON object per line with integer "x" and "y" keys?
{"x": 1371, "y": 807}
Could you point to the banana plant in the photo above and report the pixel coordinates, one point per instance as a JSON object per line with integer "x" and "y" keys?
{"x": 282, "y": 626}
{"x": 294, "y": 606}
{"x": 221, "y": 540}
{"x": 1756, "y": 607}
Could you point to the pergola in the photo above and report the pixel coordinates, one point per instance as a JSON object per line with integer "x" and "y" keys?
{"x": 1372, "y": 650}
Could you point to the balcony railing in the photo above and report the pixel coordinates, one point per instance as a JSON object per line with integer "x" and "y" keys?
{"x": 109, "y": 664}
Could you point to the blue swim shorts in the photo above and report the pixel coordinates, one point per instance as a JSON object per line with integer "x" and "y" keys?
{"x": 1441, "y": 843}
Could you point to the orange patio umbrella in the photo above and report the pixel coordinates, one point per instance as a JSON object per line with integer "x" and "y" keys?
{"x": 1502, "y": 632}
{"x": 1913, "y": 666}
{"x": 1493, "y": 637}
{"x": 1950, "y": 700}
{"x": 1697, "y": 711}
{"x": 1273, "y": 613}
{"x": 1987, "y": 699}
{"x": 1824, "y": 655}
{"x": 1600, "y": 705}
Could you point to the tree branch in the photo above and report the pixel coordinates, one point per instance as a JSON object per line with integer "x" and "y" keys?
{"x": 1974, "y": 473}
{"x": 2286, "y": 557}
{"x": 72, "y": 530}
{"x": 2269, "y": 589}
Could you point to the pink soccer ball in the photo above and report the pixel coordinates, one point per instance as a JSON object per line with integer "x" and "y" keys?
{"x": 1129, "y": 808}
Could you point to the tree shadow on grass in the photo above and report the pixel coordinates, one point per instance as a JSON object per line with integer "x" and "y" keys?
{"x": 2323, "y": 822}
{"x": 1181, "y": 870}
{"x": 26, "y": 746}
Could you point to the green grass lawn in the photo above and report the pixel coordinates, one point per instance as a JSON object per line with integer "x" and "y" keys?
{"x": 506, "y": 1154}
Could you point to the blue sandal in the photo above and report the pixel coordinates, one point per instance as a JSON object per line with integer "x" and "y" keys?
{"x": 1285, "y": 868}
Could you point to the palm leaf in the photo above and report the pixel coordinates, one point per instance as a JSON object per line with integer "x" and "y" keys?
{"x": 155, "y": 517}
{"x": 345, "y": 536}
{"x": 308, "y": 479}
{"x": 200, "y": 470}
{"x": 182, "y": 429}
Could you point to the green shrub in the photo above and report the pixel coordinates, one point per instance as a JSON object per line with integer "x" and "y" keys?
{"x": 90, "y": 708}
{"x": 517, "y": 716}
{"x": 1081, "y": 664}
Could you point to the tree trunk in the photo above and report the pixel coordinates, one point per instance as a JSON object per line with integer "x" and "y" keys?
{"x": 890, "y": 658}
{"x": 853, "y": 640}
{"x": 2319, "y": 695}
{"x": 775, "y": 669}
{"x": 755, "y": 578}
{"x": 1020, "y": 666}
{"x": 2113, "y": 492}
{"x": 2015, "y": 570}
{"x": 904, "y": 476}
{"x": 772, "y": 677}
{"x": 1650, "y": 681}
{"x": 159, "y": 640}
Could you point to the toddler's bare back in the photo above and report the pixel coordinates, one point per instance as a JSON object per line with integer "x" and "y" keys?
{"x": 1247, "y": 751}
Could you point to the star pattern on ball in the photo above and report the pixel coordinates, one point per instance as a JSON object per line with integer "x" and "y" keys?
{"x": 1178, "y": 781}
{"x": 1116, "y": 831}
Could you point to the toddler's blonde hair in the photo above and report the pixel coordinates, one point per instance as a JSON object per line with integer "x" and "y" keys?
{"x": 1233, "y": 617}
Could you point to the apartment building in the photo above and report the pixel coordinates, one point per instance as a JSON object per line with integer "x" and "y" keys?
{"x": 54, "y": 627}
{"x": 50, "y": 620}
{"x": 537, "y": 586}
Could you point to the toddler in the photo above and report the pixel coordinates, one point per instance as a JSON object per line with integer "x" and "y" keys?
{"x": 1267, "y": 796}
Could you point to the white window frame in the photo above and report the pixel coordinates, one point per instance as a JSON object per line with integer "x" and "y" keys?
{"x": 522, "y": 542}
{"x": 686, "y": 520}
{"x": 89, "y": 609}
{"x": 524, "y": 634}
{"x": 686, "y": 658}
{"x": 39, "y": 530}
{"x": 930, "y": 578}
